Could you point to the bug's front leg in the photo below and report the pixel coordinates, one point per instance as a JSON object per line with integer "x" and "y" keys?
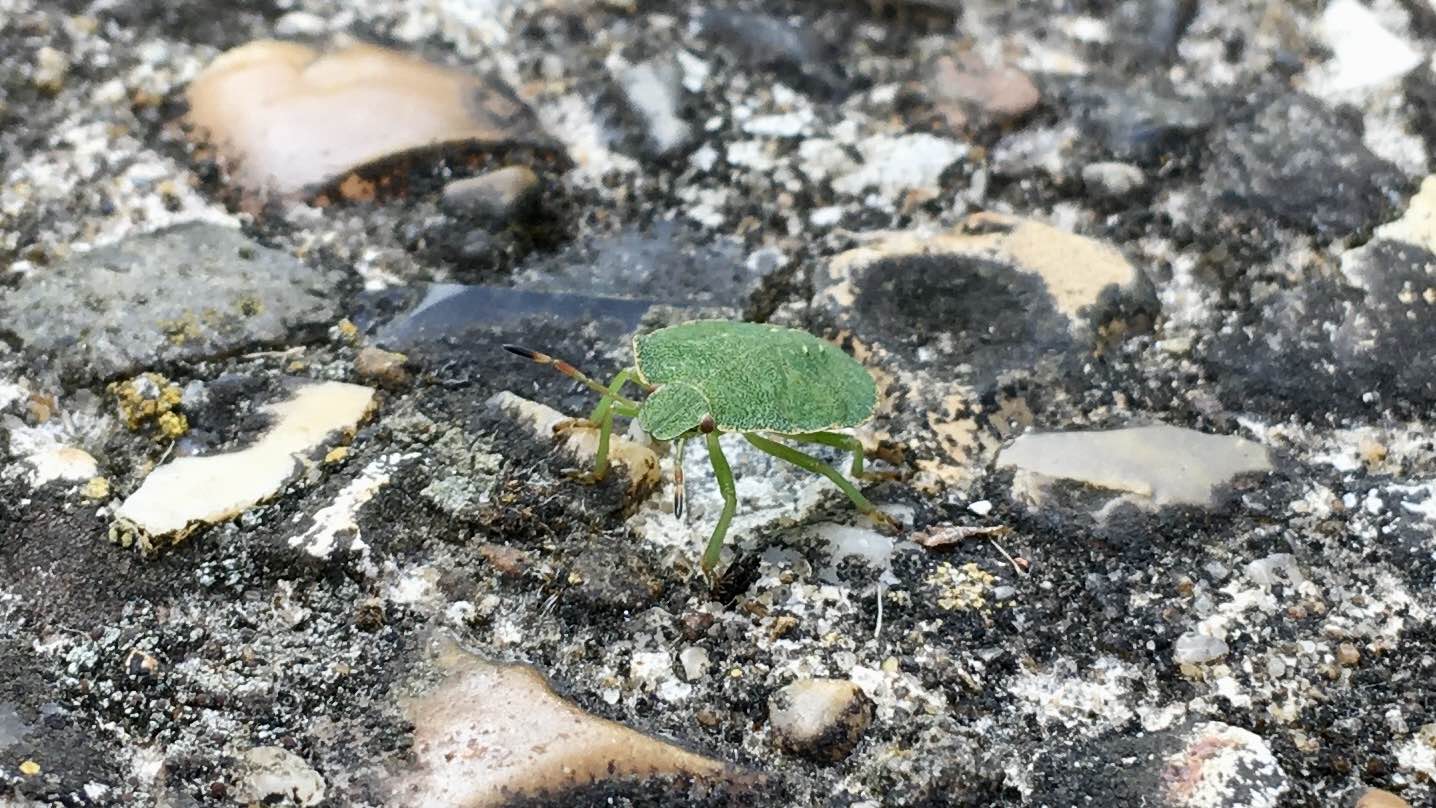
{"x": 595, "y": 418}
{"x": 602, "y": 417}
{"x": 724, "y": 473}
{"x": 605, "y": 434}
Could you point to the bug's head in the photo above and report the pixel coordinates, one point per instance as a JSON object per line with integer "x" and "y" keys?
{"x": 707, "y": 425}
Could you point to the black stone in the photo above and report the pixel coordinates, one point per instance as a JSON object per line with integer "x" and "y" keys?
{"x": 1295, "y": 160}
{"x": 767, "y": 42}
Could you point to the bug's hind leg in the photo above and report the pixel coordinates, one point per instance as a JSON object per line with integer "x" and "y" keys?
{"x": 724, "y": 473}
{"x": 847, "y": 443}
{"x": 809, "y": 463}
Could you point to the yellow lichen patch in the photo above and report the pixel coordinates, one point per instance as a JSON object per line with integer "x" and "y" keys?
{"x": 96, "y": 488}
{"x": 150, "y": 399}
{"x": 249, "y": 305}
{"x": 172, "y": 424}
{"x": 29, "y": 768}
{"x": 962, "y": 588}
{"x": 347, "y": 330}
{"x": 182, "y": 329}
{"x": 336, "y": 455}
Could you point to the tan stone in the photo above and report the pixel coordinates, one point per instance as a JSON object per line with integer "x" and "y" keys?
{"x": 192, "y": 491}
{"x": 1155, "y": 465}
{"x": 1074, "y": 269}
{"x": 967, "y": 89}
{"x": 287, "y": 118}
{"x": 381, "y": 367}
{"x": 1377, "y": 798}
{"x": 1418, "y": 224}
{"x": 488, "y": 732}
{"x": 639, "y": 461}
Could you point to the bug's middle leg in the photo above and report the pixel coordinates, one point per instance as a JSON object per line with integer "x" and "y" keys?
{"x": 724, "y": 473}
{"x": 809, "y": 463}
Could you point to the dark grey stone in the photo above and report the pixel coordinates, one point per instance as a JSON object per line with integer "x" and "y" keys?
{"x": 185, "y": 293}
{"x": 1134, "y": 123}
{"x": 767, "y": 42}
{"x": 666, "y": 263}
{"x": 497, "y": 196}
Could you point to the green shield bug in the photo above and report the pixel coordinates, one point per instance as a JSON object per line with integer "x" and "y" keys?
{"x": 708, "y": 377}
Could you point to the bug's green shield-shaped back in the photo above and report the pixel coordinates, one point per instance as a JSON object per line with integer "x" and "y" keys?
{"x": 758, "y": 377}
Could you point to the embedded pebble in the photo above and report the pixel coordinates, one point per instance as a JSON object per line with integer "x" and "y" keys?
{"x": 607, "y": 578}
{"x": 1378, "y": 798}
{"x": 272, "y": 775}
{"x": 1364, "y": 53}
{"x": 1194, "y": 648}
{"x": 653, "y": 89}
{"x": 767, "y": 42}
{"x": 51, "y": 66}
{"x": 821, "y": 719}
{"x": 969, "y": 92}
{"x": 1291, "y": 158}
{"x": 498, "y": 195}
{"x": 1075, "y": 271}
{"x": 381, "y": 367}
{"x": 993, "y": 299}
{"x": 1113, "y": 180}
{"x": 1137, "y": 123}
{"x": 695, "y": 662}
{"x": 1223, "y": 765}
{"x": 638, "y": 461}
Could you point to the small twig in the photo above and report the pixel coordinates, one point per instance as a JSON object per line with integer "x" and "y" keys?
{"x": 298, "y": 349}
{"x": 1010, "y": 559}
{"x": 878, "y": 630}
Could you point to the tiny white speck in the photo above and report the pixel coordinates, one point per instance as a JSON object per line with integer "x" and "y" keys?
{"x": 981, "y": 507}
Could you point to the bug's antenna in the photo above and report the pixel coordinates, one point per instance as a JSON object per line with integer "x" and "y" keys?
{"x": 567, "y": 370}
